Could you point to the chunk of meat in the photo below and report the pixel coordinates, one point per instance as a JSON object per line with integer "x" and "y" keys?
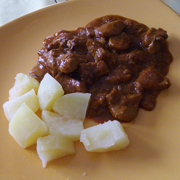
{"x": 163, "y": 60}
{"x": 151, "y": 79}
{"x": 90, "y": 32}
{"x": 134, "y": 57}
{"x": 59, "y": 40}
{"x": 101, "y": 86}
{"x": 96, "y": 50}
{"x": 137, "y": 56}
{"x": 91, "y": 71}
{"x": 38, "y": 71}
{"x": 119, "y": 75}
{"x": 51, "y": 60}
{"x": 105, "y": 19}
{"x": 110, "y": 28}
{"x": 100, "y": 53}
{"x": 102, "y": 40}
{"x": 98, "y": 100}
{"x": 70, "y": 85}
{"x": 121, "y": 42}
{"x": 123, "y": 107}
{"x": 134, "y": 28}
{"x": 153, "y": 38}
{"x": 77, "y": 44}
{"x": 149, "y": 100}
{"x": 68, "y": 63}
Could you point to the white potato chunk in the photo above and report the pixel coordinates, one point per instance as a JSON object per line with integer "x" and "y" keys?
{"x": 104, "y": 137}
{"x": 23, "y": 84}
{"x": 49, "y": 91}
{"x": 25, "y": 126}
{"x": 52, "y": 147}
{"x": 72, "y": 106}
{"x": 58, "y": 124}
{"x": 11, "y": 106}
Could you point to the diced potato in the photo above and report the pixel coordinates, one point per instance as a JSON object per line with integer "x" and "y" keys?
{"x": 58, "y": 124}
{"x": 23, "y": 84}
{"x": 11, "y": 106}
{"x": 52, "y": 147}
{"x": 25, "y": 126}
{"x": 49, "y": 91}
{"x": 104, "y": 137}
{"x": 72, "y": 106}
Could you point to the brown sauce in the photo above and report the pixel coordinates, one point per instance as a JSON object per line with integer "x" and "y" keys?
{"x": 121, "y": 62}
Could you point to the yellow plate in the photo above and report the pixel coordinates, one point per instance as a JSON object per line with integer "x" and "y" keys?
{"x": 154, "y": 150}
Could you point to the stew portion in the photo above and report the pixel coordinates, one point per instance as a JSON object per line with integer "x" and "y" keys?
{"x": 120, "y": 61}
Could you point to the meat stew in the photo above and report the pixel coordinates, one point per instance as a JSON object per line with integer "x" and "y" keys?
{"x": 121, "y": 62}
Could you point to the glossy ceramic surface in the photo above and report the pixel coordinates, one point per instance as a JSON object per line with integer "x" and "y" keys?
{"x": 153, "y": 153}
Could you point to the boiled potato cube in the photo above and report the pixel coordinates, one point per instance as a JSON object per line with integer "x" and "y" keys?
{"x": 11, "y": 106}
{"x": 49, "y": 91}
{"x": 25, "y": 126}
{"x": 53, "y": 147}
{"x": 58, "y": 124}
{"x": 104, "y": 137}
{"x": 72, "y": 106}
{"x": 23, "y": 84}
